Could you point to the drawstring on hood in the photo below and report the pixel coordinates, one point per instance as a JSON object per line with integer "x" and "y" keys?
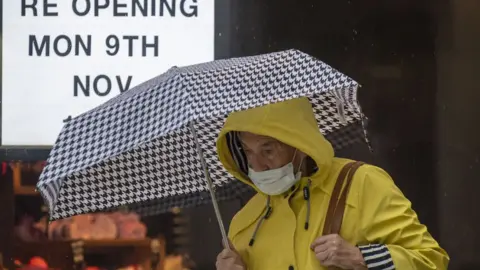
{"x": 306, "y": 196}
{"x": 268, "y": 212}
{"x": 291, "y": 122}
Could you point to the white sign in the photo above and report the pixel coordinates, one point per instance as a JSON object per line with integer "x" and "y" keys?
{"x": 64, "y": 57}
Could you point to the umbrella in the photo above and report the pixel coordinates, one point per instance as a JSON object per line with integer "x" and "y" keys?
{"x": 153, "y": 147}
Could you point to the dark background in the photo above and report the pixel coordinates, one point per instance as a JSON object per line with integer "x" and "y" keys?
{"x": 418, "y": 62}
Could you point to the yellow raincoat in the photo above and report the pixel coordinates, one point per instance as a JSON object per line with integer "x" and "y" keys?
{"x": 376, "y": 212}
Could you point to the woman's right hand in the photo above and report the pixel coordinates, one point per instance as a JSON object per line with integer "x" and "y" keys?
{"x": 230, "y": 259}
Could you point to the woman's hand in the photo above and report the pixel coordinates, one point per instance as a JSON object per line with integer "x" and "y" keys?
{"x": 230, "y": 259}
{"x": 333, "y": 250}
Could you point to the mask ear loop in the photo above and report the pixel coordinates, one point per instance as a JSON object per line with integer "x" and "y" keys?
{"x": 306, "y": 191}
{"x": 300, "y": 165}
{"x": 294, "y": 155}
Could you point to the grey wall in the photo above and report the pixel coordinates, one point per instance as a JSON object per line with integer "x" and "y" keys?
{"x": 458, "y": 130}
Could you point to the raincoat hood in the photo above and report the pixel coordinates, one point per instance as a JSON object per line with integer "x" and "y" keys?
{"x": 291, "y": 122}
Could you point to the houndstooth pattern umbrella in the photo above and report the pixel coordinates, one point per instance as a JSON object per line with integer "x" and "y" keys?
{"x": 141, "y": 149}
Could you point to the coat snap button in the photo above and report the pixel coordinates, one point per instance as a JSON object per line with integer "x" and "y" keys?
{"x": 291, "y": 267}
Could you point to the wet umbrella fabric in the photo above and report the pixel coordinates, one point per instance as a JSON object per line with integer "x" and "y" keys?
{"x": 139, "y": 149}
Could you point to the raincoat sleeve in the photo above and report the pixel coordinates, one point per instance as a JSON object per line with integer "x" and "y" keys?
{"x": 396, "y": 239}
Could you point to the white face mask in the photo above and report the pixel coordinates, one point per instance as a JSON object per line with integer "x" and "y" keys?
{"x": 275, "y": 181}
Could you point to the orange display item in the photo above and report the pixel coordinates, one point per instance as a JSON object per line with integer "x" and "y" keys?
{"x": 38, "y": 262}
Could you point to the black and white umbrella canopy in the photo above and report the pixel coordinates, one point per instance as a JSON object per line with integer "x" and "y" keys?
{"x": 139, "y": 149}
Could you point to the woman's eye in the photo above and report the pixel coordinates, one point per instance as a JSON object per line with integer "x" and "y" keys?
{"x": 268, "y": 151}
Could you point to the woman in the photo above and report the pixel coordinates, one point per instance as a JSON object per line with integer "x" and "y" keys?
{"x": 293, "y": 169}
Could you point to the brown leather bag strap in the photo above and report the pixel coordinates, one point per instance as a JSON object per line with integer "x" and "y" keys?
{"x": 340, "y": 209}
{"x": 336, "y": 206}
{"x": 334, "y": 198}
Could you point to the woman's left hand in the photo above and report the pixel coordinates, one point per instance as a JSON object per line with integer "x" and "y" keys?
{"x": 333, "y": 250}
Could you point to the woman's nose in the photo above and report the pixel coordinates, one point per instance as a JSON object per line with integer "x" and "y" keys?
{"x": 257, "y": 165}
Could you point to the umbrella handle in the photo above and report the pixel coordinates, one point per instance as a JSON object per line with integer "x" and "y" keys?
{"x": 226, "y": 242}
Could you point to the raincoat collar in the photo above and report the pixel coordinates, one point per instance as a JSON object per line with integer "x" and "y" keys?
{"x": 291, "y": 122}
